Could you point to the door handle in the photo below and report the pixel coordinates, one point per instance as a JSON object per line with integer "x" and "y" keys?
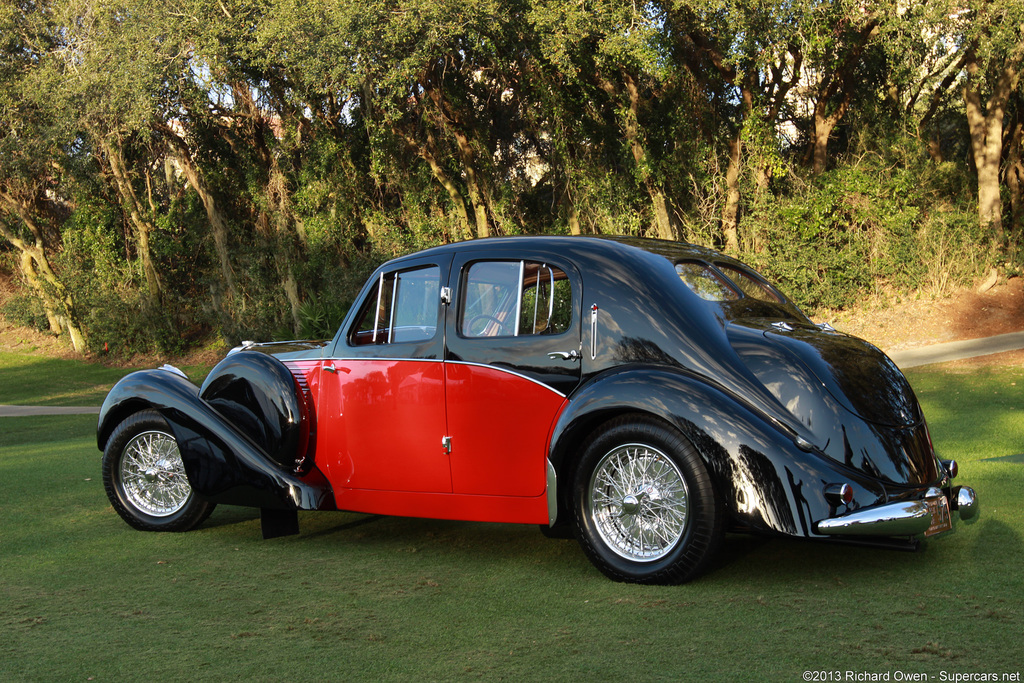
{"x": 565, "y": 355}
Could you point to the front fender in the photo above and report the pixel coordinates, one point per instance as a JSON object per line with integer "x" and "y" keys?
{"x": 221, "y": 463}
{"x": 767, "y": 481}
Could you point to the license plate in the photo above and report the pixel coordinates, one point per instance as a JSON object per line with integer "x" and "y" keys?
{"x": 941, "y": 520}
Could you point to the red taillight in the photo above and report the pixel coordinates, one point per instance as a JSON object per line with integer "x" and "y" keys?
{"x": 839, "y": 494}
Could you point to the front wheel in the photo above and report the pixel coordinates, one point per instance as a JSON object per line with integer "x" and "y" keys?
{"x": 646, "y": 510}
{"x": 144, "y": 477}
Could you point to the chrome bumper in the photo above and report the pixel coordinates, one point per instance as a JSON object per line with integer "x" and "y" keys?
{"x": 906, "y": 518}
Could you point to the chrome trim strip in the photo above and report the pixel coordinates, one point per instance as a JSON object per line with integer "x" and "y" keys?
{"x": 376, "y": 314}
{"x": 551, "y": 292}
{"x": 519, "y": 299}
{"x": 348, "y": 359}
{"x": 167, "y": 367}
{"x": 536, "y": 300}
{"x": 552, "y": 493}
{"x": 394, "y": 297}
{"x": 593, "y": 332}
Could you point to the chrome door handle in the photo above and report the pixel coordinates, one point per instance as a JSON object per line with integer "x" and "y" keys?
{"x": 331, "y": 368}
{"x": 565, "y": 355}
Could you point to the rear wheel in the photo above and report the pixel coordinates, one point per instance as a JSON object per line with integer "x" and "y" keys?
{"x": 144, "y": 477}
{"x": 645, "y": 507}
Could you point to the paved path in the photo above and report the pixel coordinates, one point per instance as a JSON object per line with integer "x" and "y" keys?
{"x": 22, "y": 411}
{"x": 958, "y": 350}
{"x": 910, "y": 358}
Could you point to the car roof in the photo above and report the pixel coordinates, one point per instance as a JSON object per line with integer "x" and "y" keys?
{"x": 582, "y": 245}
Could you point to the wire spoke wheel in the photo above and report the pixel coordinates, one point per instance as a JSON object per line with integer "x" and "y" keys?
{"x": 153, "y": 475}
{"x": 639, "y": 502}
{"x": 646, "y": 510}
{"x": 145, "y": 479}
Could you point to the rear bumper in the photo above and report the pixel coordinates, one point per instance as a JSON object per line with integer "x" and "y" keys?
{"x": 935, "y": 513}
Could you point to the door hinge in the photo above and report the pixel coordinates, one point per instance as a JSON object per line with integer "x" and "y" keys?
{"x": 446, "y": 444}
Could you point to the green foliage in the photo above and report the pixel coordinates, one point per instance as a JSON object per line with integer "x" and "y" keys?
{"x": 321, "y": 319}
{"x": 879, "y": 224}
{"x": 26, "y": 310}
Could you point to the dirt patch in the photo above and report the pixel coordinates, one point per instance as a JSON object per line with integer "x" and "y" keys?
{"x": 910, "y": 322}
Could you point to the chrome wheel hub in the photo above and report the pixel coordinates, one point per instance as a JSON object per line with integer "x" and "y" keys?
{"x": 639, "y": 502}
{"x": 153, "y": 475}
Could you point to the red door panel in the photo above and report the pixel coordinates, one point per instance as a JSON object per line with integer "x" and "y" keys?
{"x": 499, "y": 423}
{"x": 381, "y": 424}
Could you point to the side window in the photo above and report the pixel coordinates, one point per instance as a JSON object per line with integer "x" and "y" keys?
{"x": 402, "y": 307}
{"x": 514, "y": 298}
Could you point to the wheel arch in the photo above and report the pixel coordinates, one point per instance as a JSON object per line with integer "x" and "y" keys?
{"x": 159, "y": 390}
{"x": 647, "y": 392}
{"x": 764, "y": 479}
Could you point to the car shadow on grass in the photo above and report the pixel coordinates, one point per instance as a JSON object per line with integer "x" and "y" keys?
{"x": 742, "y": 559}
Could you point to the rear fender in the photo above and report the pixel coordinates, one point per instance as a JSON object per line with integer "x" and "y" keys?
{"x": 767, "y": 481}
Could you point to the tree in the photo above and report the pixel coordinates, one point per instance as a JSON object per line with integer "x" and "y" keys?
{"x": 975, "y": 49}
{"x": 615, "y": 66}
{"x": 992, "y": 78}
{"x": 30, "y": 165}
{"x": 747, "y": 60}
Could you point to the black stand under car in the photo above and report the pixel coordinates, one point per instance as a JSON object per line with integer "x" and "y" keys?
{"x": 649, "y": 395}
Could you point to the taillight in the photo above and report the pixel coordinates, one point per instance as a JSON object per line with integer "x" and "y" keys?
{"x": 839, "y": 494}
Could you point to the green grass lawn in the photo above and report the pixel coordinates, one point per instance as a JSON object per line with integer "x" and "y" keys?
{"x": 85, "y": 597}
{"x": 27, "y": 379}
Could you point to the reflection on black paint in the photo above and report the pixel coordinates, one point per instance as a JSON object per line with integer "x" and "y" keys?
{"x": 636, "y": 350}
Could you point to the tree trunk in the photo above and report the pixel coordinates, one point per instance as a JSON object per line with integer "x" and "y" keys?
{"x": 985, "y": 123}
{"x": 731, "y": 212}
{"x": 28, "y": 269}
{"x": 631, "y": 129}
{"x": 1014, "y": 175}
{"x": 283, "y": 240}
{"x": 473, "y": 184}
{"x": 823, "y": 127}
{"x": 458, "y": 203}
{"x": 837, "y": 82}
{"x": 58, "y": 303}
{"x": 574, "y": 219}
{"x": 137, "y": 214}
{"x": 218, "y": 227}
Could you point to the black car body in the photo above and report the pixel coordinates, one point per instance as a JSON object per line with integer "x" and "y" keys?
{"x": 648, "y": 395}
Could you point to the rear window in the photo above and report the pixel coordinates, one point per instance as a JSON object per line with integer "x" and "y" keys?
{"x": 750, "y": 285}
{"x": 706, "y": 282}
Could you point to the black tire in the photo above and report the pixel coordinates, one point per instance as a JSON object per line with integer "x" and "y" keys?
{"x": 144, "y": 477}
{"x": 646, "y": 510}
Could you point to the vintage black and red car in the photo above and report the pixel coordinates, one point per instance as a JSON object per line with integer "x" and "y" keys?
{"x": 648, "y": 395}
